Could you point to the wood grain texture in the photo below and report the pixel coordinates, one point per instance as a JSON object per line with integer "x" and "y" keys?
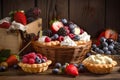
{"x": 42, "y": 5}
{"x": 0, "y": 9}
{"x": 20, "y": 75}
{"x": 11, "y": 5}
{"x": 113, "y": 14}
{"x": 88, "y": 14}
{"x": 62, "y": 8}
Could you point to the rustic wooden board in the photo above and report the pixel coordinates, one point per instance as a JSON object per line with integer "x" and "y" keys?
{"x": 113, "y": 14}
{"x": 10, "y": 5}
{"x": 20, "y": 75}
{"x": 88, "y": 14}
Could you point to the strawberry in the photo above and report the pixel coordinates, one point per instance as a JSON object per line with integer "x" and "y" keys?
{"x": 20, "y": 17}
{"x": 47, "y": 39}
{"x": 5, "y": 25}
{"x": 12, "y": 59}
{"x": 71, "y": 70}
{"x": 56, "y": 25}
{"x": 108, "y": 33}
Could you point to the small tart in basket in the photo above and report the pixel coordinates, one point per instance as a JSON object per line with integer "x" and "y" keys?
{"x": 35, "y": 68}
{"x": 99, "y": 64}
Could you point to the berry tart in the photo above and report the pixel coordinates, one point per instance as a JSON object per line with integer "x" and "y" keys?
{"x": 99, "y": 64}
{"x": 34, "y": 63}
{"x": 64, "y": 38}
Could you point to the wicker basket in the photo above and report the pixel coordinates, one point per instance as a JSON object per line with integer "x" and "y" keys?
{"x": 35, "y": 68}
{"x": 114, "y": 57}
{"x": 63, "y": 54}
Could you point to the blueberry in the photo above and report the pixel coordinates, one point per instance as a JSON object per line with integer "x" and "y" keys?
{"x": 77, "y": 37}
{"x": 58, "y": 65}
{"x": 100, "y": 51}
{"x": 38, "y": 60}
{"x": 55, "y": 36}
{"x": 81, "y": 68}
{"x": 108, "y": 53}
{"x": 104, "y": 44}
{"x": 102, "y": 39}
{"x": 96, "y": 49}
{"x": 114, "y": 52}
{"x": 110, "y": 47}
{"x": 2, "y": 68}
{"x": 71, "y": 26}
{"x": 55, "y": 71}
{"x": 94, "y": 46}
{"x": 105, "y": 49}
{"x": 64, "y": 21}
{"x": 76, "y": 65}
{"x": 88, "y": 54}
{"x": 72, "y": 31}
{"x": 15, "y": 66}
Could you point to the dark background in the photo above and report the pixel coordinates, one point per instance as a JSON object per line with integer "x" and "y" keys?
{"x": 91, "y": 15}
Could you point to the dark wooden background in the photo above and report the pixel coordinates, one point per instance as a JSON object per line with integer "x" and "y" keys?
{"x": 91, "y": 15}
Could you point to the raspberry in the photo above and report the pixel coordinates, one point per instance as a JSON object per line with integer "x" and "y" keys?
{"x": 25, "y": 60}
{"x": 31, "y": 61}
{"x": 44, "y": 58}
{"x": 81, "y": 31}
{"x": 61, "y": 38}
{"x": 71, "y": 35}
{"x": 47, "y": 39}
{"x": 32, "y": 55}
{"x": 39, "y": 55}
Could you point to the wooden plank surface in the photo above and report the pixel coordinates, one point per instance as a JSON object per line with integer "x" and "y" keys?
{"x": 113, "y": 14}
{"x": 11, "y": 5}
{"x": 20, "y": 75}
{"x": 88, "y": 14}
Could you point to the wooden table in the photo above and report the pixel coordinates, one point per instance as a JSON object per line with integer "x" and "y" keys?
{"x": 20, "y": 75}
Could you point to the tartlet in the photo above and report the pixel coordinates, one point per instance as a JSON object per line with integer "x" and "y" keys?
{"x": 97, "y": 66}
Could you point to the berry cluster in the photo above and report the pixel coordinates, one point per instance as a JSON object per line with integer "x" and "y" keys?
{"x": 66, "y": 68}
{"x": 32, "y": 58}
{"x": 61, "y": 28}
{"x": 107, "y": 46}
{"x": 32, "y": 14}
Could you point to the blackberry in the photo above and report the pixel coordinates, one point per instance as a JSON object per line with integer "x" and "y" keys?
{"x": 62, "y": 32}
{"x": 47, "y": 33}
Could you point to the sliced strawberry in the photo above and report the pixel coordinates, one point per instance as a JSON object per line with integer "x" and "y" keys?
{"x": 12, "y": 59}
{"x": 109, "y": 33}
{"x": 20, "y": 17}
{"x": 71, "y": 70}
{"x": 56, "y": 25}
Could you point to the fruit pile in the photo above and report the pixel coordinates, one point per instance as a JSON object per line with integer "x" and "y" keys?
{"x": 34, "y": 58}
{"x": 7, "y": 59}
{"x": 69, "y": 69}
{"x": 61, "y": 28}
{"x": 107, "y": 46}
